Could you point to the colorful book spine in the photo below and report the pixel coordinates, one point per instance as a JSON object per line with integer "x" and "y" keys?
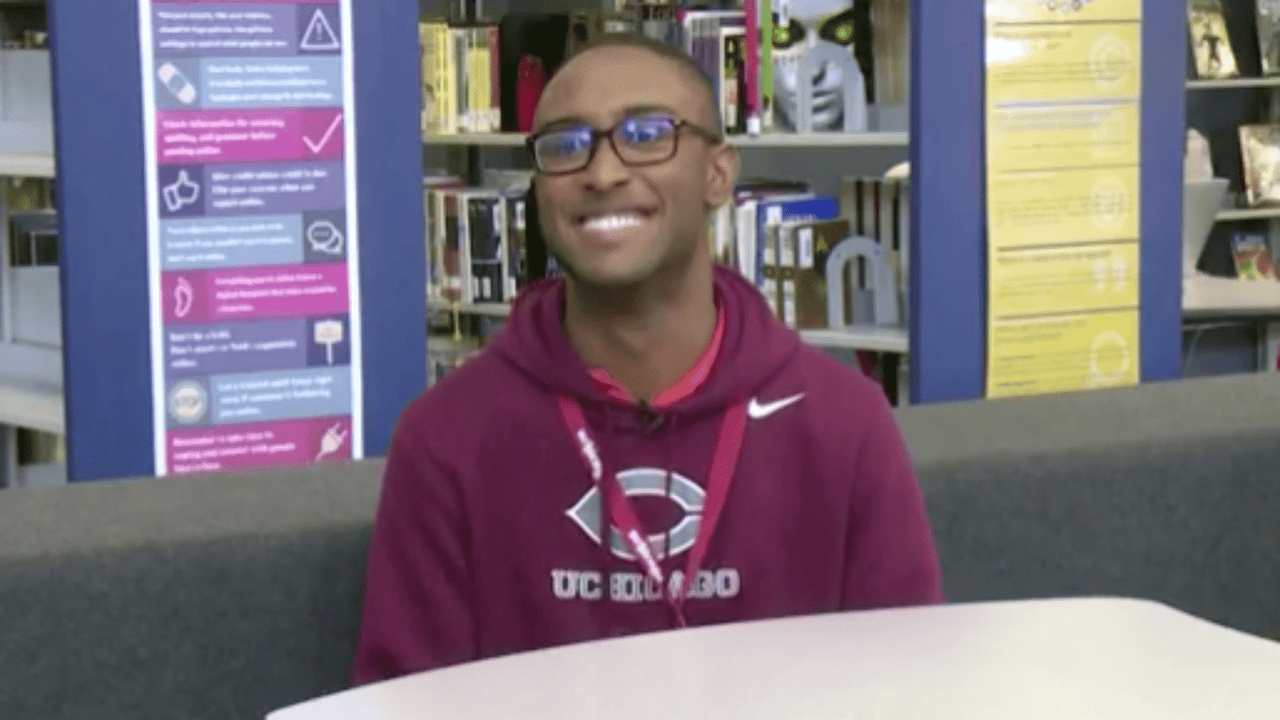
{"x": 732, "y": 110}
{"x": 495, "y": 78}
{"x": 764, "y": 81}
{"x": 477, "y": 81}
{"x": 751, "y": 65}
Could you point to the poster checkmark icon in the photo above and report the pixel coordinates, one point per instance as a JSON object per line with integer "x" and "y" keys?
{"x": 317, "y": 146}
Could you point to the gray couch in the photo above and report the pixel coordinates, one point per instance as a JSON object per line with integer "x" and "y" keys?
{"x": 225, "y": 597}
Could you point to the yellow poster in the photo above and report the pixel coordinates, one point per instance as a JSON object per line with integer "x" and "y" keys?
{"x": 1062, "y": 61}
{"x": 1062, "y": 353}
{"x": 1031, "y": 135}
{"x": 1063, "y": 149}
{"x": 1062, "y": 206}
{"x": 1062, "y": 280}
{"x": 1057, "y": 11}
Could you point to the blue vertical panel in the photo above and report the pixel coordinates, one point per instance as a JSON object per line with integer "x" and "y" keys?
{"x": 393, "y": 274}
{"x": 948, "y": 257}
{"x": 1164, "y": 110}
{"x": 103, "y": 252}
{"x": 98, "y": 112}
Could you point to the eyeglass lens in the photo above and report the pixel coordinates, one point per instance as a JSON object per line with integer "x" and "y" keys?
{"x": 637, "y": 140}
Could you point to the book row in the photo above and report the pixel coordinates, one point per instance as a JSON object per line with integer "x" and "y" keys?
{"x": 775, "y": 65}
{"x": 822, "y": 261}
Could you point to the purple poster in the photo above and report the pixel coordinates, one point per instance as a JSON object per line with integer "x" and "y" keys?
{"x": 253, "y": 254}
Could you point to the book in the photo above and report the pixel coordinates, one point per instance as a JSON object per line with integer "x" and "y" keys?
{"x": 1260, "y": 153}
{"x": 751, "y": 65}
{"x": 477, "y": 81}
{"x": 495, "y": 77}
{"x": 813, "y": 240}
{"x": 733, "y": 109}
{"x": 515, "y": 265}
{"x": 430, "y": 42}
{"x": 1251, "y": 256}
{"x": 745, "y": 229}
{"x": 485, "y": 219}
{"x": 433, "y": 211}
{"x": 788, "y": 270}
{"x": 770, "y": 272}
{"x": 439, "y": 77}
{"x": 1269, "y": 348}
{"x": 723, "y": 245}
{"x": 1268, "y": 23}
{"x": 772, "y": 211}
{"x": 891, "y": 50}
{"x": 460, "y": 43}
{"x": 1210, "y": 42}
{"x": 531, "y": 47}
{"x": 701, "y": 39}
{"x": 455, "y": 254}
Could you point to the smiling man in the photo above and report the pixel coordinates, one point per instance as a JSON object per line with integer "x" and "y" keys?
{"x": 643, "y": 447}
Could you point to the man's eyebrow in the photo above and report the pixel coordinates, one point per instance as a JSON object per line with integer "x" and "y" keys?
{"x": 648, "y": 109}
{"x": 560, "y": 121}
{"x": 572, "y": 120}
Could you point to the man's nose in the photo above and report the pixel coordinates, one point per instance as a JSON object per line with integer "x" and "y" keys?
{"x": 606, "y": 170}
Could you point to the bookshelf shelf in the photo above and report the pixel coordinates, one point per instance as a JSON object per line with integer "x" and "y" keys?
{"x": 28, "y": 404}
{"x": 835, "y": 140}
{"x": 486, "y": 139}
{"x": 772, "y": 140}
{"x": 1204, "y": 296}
{"x": 486, "y": 309}
{"x": 876, "y": 339}
{"x": 1262, "y": 213}
{"x": 26, "y": 165}
{"x": 1233, "y": 83}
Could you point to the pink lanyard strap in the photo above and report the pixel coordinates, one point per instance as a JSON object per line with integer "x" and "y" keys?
{"x": 724, "y": 460}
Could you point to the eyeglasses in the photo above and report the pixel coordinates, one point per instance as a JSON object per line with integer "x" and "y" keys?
{"x": 637, "y": 141}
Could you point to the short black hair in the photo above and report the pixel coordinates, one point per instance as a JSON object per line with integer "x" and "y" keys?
{"x": 661, "y": 49}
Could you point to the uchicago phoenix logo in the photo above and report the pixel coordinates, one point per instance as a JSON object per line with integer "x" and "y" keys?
{"x": 634, "y": 587}
{"x": 650, "y": 482}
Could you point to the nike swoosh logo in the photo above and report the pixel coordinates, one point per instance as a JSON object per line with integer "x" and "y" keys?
{"x": 758, "y": 411}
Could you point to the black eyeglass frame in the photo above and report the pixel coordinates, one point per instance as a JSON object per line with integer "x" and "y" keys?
{"x": 596, "y": 135}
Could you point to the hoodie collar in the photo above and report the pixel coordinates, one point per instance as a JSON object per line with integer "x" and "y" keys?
{"x": 754, "y": 347}
{"x": 684, "y": 387}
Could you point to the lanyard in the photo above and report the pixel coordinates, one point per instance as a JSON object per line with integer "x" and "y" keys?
{"x": 724, "y": 459}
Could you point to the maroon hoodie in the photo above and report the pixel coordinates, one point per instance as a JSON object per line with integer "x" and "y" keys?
{"x": 487, "y": 537}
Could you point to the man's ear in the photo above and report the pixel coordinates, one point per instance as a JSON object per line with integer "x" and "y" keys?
{"x": 722, "y": 174}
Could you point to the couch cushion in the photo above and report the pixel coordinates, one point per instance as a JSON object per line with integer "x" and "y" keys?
{"x": 1166, "y": 491}
{"x": 213, "y": 597}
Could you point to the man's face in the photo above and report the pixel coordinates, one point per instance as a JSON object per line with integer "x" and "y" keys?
{"x": 614, "y": 225}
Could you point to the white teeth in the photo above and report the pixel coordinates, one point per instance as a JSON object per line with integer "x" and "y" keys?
{"x": 609, "y": 223}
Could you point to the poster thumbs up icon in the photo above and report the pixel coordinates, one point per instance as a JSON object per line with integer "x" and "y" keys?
{"x": 181, "y": 193}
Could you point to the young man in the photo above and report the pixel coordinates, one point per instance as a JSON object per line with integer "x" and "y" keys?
{"x": 644, "y": 446}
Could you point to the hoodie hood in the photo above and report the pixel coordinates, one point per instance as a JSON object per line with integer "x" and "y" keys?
{"x": 755, "y": 346}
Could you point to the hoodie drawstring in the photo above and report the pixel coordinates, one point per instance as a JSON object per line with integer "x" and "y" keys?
{"x": 666, "y": 465}
{"x": 616, "y": 506}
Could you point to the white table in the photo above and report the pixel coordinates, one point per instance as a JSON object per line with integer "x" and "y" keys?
{"x": 1076, "y": 659}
